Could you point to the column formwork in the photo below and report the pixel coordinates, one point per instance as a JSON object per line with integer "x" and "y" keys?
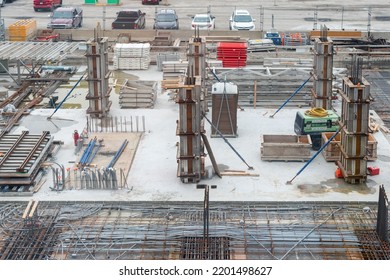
{"x": 354, "y": 132}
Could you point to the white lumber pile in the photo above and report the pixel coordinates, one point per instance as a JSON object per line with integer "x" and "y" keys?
{"x": 173, "y": 69}
{"x": 138, "y": 94}
{"x": 132, "y": 56}
{"x": 162, "y": 57}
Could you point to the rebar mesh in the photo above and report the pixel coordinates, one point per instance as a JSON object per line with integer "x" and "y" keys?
{"x": 174, "y": 230}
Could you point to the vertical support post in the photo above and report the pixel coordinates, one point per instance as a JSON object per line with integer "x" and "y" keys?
{"x": 98, "y": 75}
{"x": 206, "y": 219}
{"x": 190, "y": 126}
{"x": 382, "y": 224}
{"x": 315, "y": 22}
{"x": 254, "y": 94}
{"x": 261, "y": 18}
{"x": 322, "y": 71}
{"x": 369, "y": 23}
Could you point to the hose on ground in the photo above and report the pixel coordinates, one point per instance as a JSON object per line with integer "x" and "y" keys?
{"x": 316, "y": 112}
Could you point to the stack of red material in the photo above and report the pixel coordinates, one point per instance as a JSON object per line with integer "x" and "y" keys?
{"x": 232, "y": 54}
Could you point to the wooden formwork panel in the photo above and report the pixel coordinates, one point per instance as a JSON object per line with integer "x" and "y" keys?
{"x": 286, "y": 147}
{"x": 337, "y": 34}
{"x": 224, "y": 114}
{"x": 332, "y": 151}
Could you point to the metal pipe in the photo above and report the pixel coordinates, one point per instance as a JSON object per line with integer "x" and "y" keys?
{"x": 66, "y": 97}
{"x": 315, "y": 155}
{"x": 310, "y": 232}
{"x": 291, "y": 96}
{"x": 118, "y": 154}
{"x": 227, "y": 142}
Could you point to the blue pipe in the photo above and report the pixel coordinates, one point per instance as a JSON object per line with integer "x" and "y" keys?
{"x": 85, "y": 152}
{"x": 291, "y": 96}
{"x": 227, "y": 142}
{"x": 66, "y": 97}
{"x": 316, "y": 154}
{"x": 215, "y": 75}
{"x": 90, "y": 151}
{"x": 94, "y": 154}
{"x": 117, "y": 154}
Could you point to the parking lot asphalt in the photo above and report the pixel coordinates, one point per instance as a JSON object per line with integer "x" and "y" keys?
{"x": 280, "y": 14}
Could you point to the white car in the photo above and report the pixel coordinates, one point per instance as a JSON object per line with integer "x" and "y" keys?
{"x": 241, "y": 20}
{"x": 203, "y": 22}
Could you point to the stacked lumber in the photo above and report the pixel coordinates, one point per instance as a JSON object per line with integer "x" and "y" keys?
{"x": 162, "y": 57}
{"x": 133, "y": 56}
{"x": 214, "y": 63}
{"x": 174, "y": 68}
{"x": 22, "y": 30}
{"x": 172, "y": 73}
{"x": 138, "y": 94}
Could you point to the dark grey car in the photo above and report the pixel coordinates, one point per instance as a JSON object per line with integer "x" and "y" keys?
{"x": 166, "y": 19}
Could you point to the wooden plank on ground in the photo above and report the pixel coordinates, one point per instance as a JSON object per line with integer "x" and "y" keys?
{"x": 27, "y": 209}
{"x": 239, "y": 174}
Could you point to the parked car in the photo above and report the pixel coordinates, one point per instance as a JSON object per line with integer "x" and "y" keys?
{"x": 66, "y": 17}
{"x": 155, "y": 2}
{"x": 203, "y": 21}
{"x": 46, "y": 5}
{"x": 129, "y": 19}
{"x": 166, "y": 19}
{"x": 241, "y": 20}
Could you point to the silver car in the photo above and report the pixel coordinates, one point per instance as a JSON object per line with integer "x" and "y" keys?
{"x": 166, "y": 19}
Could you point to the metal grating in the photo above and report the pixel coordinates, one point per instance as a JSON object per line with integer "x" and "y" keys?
{"x": 21, "y": 156}
{"x": 37, "y": 50}
{"x": 196, "y": 248}
{"x": 371, "y": 245}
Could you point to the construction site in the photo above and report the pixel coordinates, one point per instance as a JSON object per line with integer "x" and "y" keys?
{"x": 195, "y": 145}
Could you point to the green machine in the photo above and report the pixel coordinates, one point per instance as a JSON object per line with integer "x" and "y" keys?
{"x": 311, "y": 123}
{"x": 315, "y": 121}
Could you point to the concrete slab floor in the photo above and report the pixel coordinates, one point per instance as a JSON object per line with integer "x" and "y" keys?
{"x": 153, "y": 173}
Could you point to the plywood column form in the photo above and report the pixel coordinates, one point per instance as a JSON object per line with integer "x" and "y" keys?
{"x": 322, "y": 72}
{"x": 192, "y": 106}
{"x": 190, "y": 155}
{"x": 196, "y": 56}
{"x": 98, "y": 75}
{"x": 354, "y": 132}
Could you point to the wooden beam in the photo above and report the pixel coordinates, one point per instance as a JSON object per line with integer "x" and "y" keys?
{"x": 33, "y": 209}
{"x": 337, "y": 34}
{"x": 27, "y": 209}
